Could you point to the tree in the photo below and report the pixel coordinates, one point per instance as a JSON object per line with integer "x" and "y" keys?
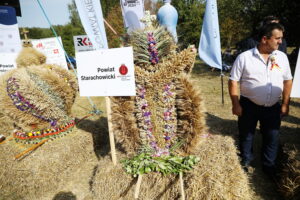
{"x": 190, "y": 15}
{"x": 74, "y": 16}
{"x": 116, "y": 21}
{"x": 233, "y": 27}
{"x": 288, "y": 11}
{"x": 107, "y": 5}
{"x": 37, "y": 33}
{"x": 152, "y": 6}
{"x": 67, "y": 32}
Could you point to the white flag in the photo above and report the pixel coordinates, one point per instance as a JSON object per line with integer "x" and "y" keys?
{"x": 296, "y": 82}
{"x": 210, "y": 45}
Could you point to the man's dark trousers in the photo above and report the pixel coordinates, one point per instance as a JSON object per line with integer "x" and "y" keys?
{"x": 269, "y": 118}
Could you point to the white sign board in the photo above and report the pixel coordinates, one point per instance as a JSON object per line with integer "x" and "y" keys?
{"x": 52, "y": 50}
{"x": 7, "y": 62}
{"x": 296, "y": 81}
{"x": 107, "y": 72}
{"x": 82, "y": 43}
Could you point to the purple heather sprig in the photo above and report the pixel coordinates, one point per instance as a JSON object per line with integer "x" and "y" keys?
{"x": 152, "y": 49}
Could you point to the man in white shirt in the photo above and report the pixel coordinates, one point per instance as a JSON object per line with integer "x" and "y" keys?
{"x": 264, "y": 77}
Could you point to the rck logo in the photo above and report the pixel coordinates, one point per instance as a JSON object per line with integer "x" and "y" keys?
{"x": 83, "y": 42}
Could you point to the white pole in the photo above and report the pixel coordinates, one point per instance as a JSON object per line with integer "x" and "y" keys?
{"x": 181, "y": 186}
{"x": 137, "y": 187}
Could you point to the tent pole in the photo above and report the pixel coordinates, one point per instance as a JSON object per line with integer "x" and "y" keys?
{"x": 222, "y": 87}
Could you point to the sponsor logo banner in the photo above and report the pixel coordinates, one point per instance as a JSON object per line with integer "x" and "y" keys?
{"x": 133, "y": 12}
{"x": 82, "y": 43}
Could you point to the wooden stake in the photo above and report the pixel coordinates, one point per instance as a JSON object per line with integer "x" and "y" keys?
{"x": 30, "y": 149}
{"x": 6, "y": 140}
{"x": 222, "y": 87}
{"x": 137, "y": 187}
{"x": 181, "y": 186}
{"x": 111, "y": 134}
{"x": 111, "y": 28}
{"x": 24, "y": 32}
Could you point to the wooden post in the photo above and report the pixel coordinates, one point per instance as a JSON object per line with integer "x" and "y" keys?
{"x": 111, "y": 134}
{"x": 24, "y": 32}
{"x": 181, "y": 186}
{"x": 137, "y": 187}
{"x": 108, "y": 111}
{"x": 30, "y": 149}
{"x": 109, "y": 26}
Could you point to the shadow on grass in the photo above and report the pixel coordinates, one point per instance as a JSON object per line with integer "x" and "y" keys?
{"x": 291, "y": 119}
{"x": 132, "y": 183}
{"x": 294, "y": 103}
{"x": 99, "y": 131}
{"x": 64, "y": 196}
{"x": 92, "y": 179}
{"x": 167, "y": 187}
{"x": 221, "y": 126}
{"x": 290, "y": 135}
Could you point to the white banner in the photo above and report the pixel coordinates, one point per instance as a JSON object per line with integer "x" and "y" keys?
{"x": 133, "y": 12}
{"x": 52, "y": 50}
{"x": 10, "y": 41}
{"x": 107, "y": 72}
{"x": 296, "y": 81}
{"x": 90, "y": 13}
{"x": 82, "y": 43}
{"x": 7, "y": 62}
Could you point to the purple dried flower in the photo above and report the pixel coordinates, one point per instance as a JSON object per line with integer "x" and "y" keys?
{"x": 152, "y": 49}
{"x": 53, "y": 123}
{"x": 146, "y": 114}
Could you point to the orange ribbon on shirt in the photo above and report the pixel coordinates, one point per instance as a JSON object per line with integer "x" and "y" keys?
{"x": 275, "y": 66}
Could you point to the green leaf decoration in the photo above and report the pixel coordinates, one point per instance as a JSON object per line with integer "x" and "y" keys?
{"x": 145, "y": 163}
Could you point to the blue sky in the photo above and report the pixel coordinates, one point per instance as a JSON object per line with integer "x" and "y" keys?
{"x": 32, "y": 15}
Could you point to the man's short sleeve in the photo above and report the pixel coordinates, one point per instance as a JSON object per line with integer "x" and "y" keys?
{"x": 287, "y": 75}
{"x": 237, "y": 69}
